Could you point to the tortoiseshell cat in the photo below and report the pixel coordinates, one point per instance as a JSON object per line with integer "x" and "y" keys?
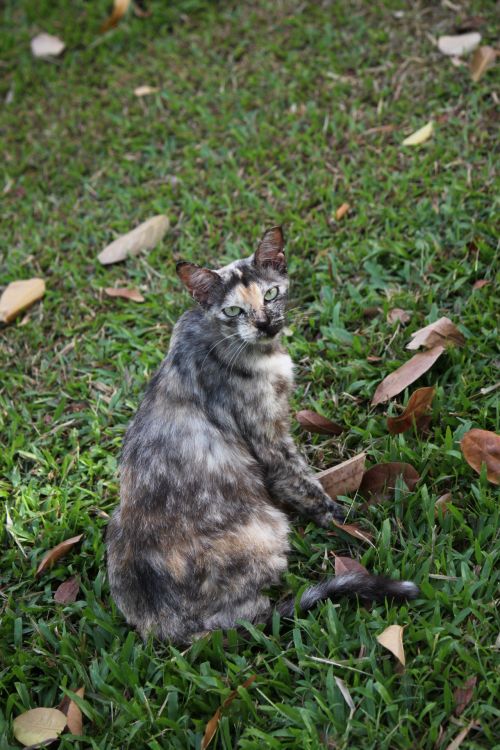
{"x": 208, "y": 466}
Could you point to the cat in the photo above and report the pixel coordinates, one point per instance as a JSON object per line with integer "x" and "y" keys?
{"x": 209, "y": 468}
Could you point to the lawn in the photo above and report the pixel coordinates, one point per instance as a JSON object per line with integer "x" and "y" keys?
{"x": 266, "y": 112}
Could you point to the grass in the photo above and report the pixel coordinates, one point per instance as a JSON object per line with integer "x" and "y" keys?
{"x": 267, "y": 112}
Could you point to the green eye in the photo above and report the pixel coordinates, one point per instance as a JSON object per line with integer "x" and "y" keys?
{"x": 271, "y": 293}
{"x": 232, "y": 312}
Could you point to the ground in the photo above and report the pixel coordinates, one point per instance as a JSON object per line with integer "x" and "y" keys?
{"x": 267, "y": 112}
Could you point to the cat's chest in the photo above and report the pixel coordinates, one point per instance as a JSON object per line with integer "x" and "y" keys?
{"x": 273, "y": 383}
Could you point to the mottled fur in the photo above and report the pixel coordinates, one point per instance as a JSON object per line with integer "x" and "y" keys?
{"x": 208, "y": 466}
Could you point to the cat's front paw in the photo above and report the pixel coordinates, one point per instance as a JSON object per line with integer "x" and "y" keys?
{"x": 330, "y": 513}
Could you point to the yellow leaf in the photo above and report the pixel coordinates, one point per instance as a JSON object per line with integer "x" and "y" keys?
{"x": 18, "y": 296}
{"x": 120, "y": 7}
{"x": 420, "y": 136}
{"x": 38, "y": 725}
{"x": 146, "y": 90}
{"x": 392, "y": 640}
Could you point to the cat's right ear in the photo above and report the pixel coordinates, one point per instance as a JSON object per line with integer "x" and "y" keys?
{"x": 200, "y": 282}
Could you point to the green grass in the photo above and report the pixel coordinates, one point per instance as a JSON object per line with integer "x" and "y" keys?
{"x": 265, "y": 114}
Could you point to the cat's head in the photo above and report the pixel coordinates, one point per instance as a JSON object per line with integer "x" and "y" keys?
{"x": 247, "y": 297}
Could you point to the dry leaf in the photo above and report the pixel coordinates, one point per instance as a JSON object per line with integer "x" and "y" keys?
{"x": 482, "y": 447}
{"x": 355, "y": 531}
{"x": 371, "y": 312}
{"x": 143, "y": 237}
{"x": 441, "y": 332}
{"x": 132, "y": 294}
{"x": 480, "y": 283}
{"x": 341, "y": 211}
{"x": 348, "y": 565}
{"x": 19, "y": 295}
{"x": 482, "y": 59}
{"x": 419, "y": 136}
{"x": 405, "y": 375}
{"x": 213, "y": 723}
{"x": 442, "y": 502}
{"x": 46, "y": 45}
{"x": 39, "y": 725}
{"x": 313, "y": 422}
{"x": 392, "y": 640}
{"x": 67, "y": 591}
{"x": 345, "y": 693}
{"x": 459, "y": 44}
{"x": 146, "y": 90}
{"x": 455, "y": 744}
{"x": 74, "y": 718}
{"x": 418, "y": 405}
{"x": 463, "y": 695}
{"x": 56, "y": 552}
{"x": 379, "y": 482}
{"x": 343, "y": 478}
{"x": 373, "y": 358}
{"x": 120, "y": 7}
{"x": 397, "y": 315}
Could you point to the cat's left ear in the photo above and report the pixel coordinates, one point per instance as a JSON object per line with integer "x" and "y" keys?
{"x": 200, "y": 282}
{"x": 270, "y": 252}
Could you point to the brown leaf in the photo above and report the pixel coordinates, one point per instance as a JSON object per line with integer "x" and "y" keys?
{"x": 74, "y": 715}
{"x": 441, "y": 332}
{"x": 480, "y": 283}
{"x": 132, "y": 294}
{"x": 397, "y": 315}
{"x": 56, "y": 552}
{"x": 483, "y": 447}
{"x": 379, "y": 482}
{"x": 120, "y": 7}
{"x": 19, "y": 295}
{"x": 455, "y": 744}
{"x": 213, "y": 723}
{"x": 142, "y": 238}
{"x": 463, "y": 695}
{"x": 482, "y": 59}
{"x": 67, "y": 591}
{"x": 343, "y": 478}
{"x": 373, "y": 358}
{"x": 392, "y": 640}
{"x": 355, "y": 531}
{"x": 313, "y": 422}
{"x": 341, "y": 211}
{"x": 442, "y": 502}
{"x": 371, "y": 312}
{"x": 405, "y": 375}
{"x": 418, "y": 404}
{"x": 39, "y": 725}
{"x": 348, "y": 565}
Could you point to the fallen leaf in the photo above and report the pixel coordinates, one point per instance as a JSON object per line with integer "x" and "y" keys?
{"x": 405, "y": 375}
{"x": 345, "y": 693}
{"x": 441, "y": 332}
{"x": 46, "y": 45}
{"x": 313, "y": 422}
{"x": 373, "y": 358}
{"x": 120, "y": 7}
{"x": 482, "y": 447}
{"x": 67, "y": 591}
{"x": 480, "y": 283}
{"x": 397, "y": 315}
{"x": 419, "y": 136}
{"x": 74, "y": 718}
{"x": 482, "y": 59}
{"x": 392, "y": 640}
{"x": 455, "y": 744}
{"x": 379, "y": 482}
{"x": 19, "y": 295}
{"x": 459, "y": 44}
{"x": 56, "y": 552}
{"x": 463, "y": 695}
{"x": 418, "y": 405}
{"x": 442, "y": 502}
{"x": 355, "y": 531}
{"x": 343, "y": 478}
{"x": 371, "y": 312}
{"x": 341, "y": 211}
{"x": 143, "y": 237}
{"x": 146, "y": 90}
{"x": 39, "y": 725}
{"x": 132, "y": 294}
{"x": 348, "y": 565}
{"x": 213, "y": 723}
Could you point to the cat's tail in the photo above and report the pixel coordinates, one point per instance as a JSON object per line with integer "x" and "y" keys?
{"x": 357, "y": 584}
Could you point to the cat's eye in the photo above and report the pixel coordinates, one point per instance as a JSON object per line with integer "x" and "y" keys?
{"x": 271, "y": 293}
{"x": 232, "y": 312}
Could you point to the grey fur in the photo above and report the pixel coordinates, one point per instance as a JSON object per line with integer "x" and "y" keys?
{"x": 208, "y": 465}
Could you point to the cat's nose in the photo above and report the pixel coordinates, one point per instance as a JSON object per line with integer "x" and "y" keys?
{"x": 262, "y": 324}
{"x": 267, "y": 327}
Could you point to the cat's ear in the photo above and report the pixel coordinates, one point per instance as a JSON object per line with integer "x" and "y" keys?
{"x": 200, "y": 282}
{"x": 270, "y": 252}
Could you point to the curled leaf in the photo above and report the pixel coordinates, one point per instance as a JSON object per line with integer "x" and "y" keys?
{"x": 397, "y": 315}
{"x": 442, "y": 502}
{"x": 392, "y": 640}
{"x": 419, "y": 136}
{"x": 353, "y": 530}
{"x": 56, "y": 552}
{"x": 482, "y": 447}
{"x": 343, "y": 478}
{"x": 348, "y": 565}
{"x": 379, "y": 482}
{"x": 213, "y": 723}
{"x": 442, "y": 332}
{"x": 19, "y": 295}
{"x": 46, "y": 45}
{"x": 418, "y": 405}
{"x": 120, "y": 7}
{"x": 67, "y": 591}
{"x": 39, "y": 725}
{"x": 74, "y": 718}
{"x": 313, "y": 422}
{"x": 341, "y": 211}
{"x": 482, "y": 59}
{"x": 459, "y": 44}
{"x": 405, "y": 375}
{"x": 480, "y": 283}
{"x": 144, "y": 237}
{"x": 131, "y": 294}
